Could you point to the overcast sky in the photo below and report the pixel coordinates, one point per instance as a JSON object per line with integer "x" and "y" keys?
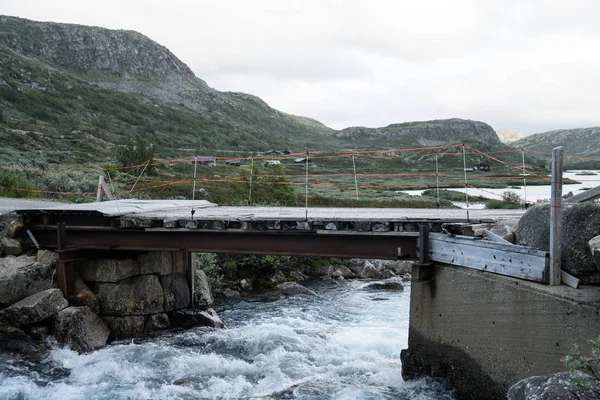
{"x": 527, "y": 66}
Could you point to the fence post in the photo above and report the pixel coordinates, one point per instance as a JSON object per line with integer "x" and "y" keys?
{"x": 555, "y": 216}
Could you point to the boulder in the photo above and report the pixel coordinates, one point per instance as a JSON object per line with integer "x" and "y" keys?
{"x": 125, "y": 327}
{"x": 230, "y": 293}
{"x": 15, "y": 228}
{"x": 324, "y": 270}
{"x": 38, "y": 332}
{"x": 581, "y": 222}
{"x": 84, "y": 296}
{"x": 594, "y": 244}
{"x": 387, "y": 274}
{"x": 16, "y": 341}
{"x": 10, "y": 246}
{"x": 277, "y": 277}
{"x": 294, "y": 289}
{"x": 34, "y": 308}
{"x": 533, "y": 229}
{"x": 156, "y": 262}
{"x": 506, "y": 228}
{"x": 189, "y": 318}
{"x": 559, "y": 386}
{"x": 389, "y": 284}
{"x": 156, "y": 322}
{"x": 108, "y": 270}
{"x": 140, "y": 295}
{"x": 245, "y": 284}
{"x": 47, "y": 258}
{"x": 81, "y": 329}
{"x": 298, "y": 276}
{"x": 369, "y": 271}
{"x": 21, "y": 277}
{"x": 176, "y": 292}
{"x": 202, "y": 295}
{"x": 343, "y": 272}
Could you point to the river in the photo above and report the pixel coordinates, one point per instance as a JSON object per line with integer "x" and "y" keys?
{"x": 344, "y": 344}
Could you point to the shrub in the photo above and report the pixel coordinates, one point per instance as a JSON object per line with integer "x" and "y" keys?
{"x": 589, "y": 365}
{"x": 12, "y": 185}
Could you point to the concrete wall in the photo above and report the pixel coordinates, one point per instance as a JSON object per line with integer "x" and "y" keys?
{"x": 485, "y": 332}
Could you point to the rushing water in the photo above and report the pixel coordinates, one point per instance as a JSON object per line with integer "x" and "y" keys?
{"x": 345, "y": 344}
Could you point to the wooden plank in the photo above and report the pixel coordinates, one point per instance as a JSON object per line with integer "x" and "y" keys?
{"x": 492, "y": 257}
{"x": 588, "y": 195}
{"x": 494, "y": 238}
{"x": 556, "y": 216}
{"x": 569, "y": 279}
{"x": 488, "y": 245}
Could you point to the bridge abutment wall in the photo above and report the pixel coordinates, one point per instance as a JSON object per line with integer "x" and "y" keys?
{"x": 485, "y": 332}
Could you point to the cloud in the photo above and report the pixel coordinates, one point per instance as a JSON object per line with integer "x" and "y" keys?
{"x": 527, "y": 66}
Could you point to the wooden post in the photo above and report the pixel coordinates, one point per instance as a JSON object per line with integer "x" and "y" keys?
{"x": 99, "y": 192}
{"x": 556, "y": 216}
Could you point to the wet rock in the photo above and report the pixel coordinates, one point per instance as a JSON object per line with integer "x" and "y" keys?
{"x": 84, "y": 296}
{"x": 34, "y": 308}
{"x": 388, "y": 284}
{"x": 139, "y": 295}
{"x": 230, "y": 293}
{"x": 47, "y": 258}
{"x": 156, "y": 322}
{"x": 109, "y": 270}
{"x": 202, "y": 295}
{"x": 16, "y": 341}
{"x": 10, "y": 246}
{"x": 324, "y": 270}
{"x": 156, "y": 262}
{"x": 278, "y": 277}
{"x": 176, "y": 292}
{"x": 386, "y": 274}
{"x": 342, "y": 271}
{"x": 189, "y": 318}
{"x": 595, "y": 250}
{"x": 81, "y": 329}
{"x": 125, "y": 327}
{"x": 245, "y": 284}
{"x": 559, "y": 386}
{"x": 298, "y": 276}
{"x": 21, "y": 277}
{"x": 294, "y": 289}
{"x": 38, "y": 332}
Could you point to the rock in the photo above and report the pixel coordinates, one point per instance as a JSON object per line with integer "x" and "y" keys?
{"x": 109, "y": 270}
{"x": 34, "y": 308}
{"x": 202, "y": 295}
{"x": 298, "y": 276}
{"x": 386, "y": 274}
{"x": 324, "y": 270}
{"x": 533, "y": 229}
{"x": 47, "y": 258}
{"x": 278, "y": 277}
{"x": 594, "y": 244}
{"x": 140, "y": 295}
{"x": 10, "y": 246}
{"x": 303, "y": 226}
{"x": 581, "y": 222}
{"x": 381, "y": 227}
{"x": 38, "y": 332}
{"x": 559, "y": 386}
{"x": 389, "y": 284}
{"x": 506, "y": 229}
{"x": 85, "y": 297}
{"x": 343, "y": 272}
{"x": 81, "y": 329}
{"x": 15, "y": 229}
{"x": 156, "y": 262}
{"x": 331, "y": 226}
{"x": 230, "y": 293}
{"x": 156, "y": 322}
{"x": 189, "y": 318}
{"x": 362, "y": 226}
{"x": 16, "y": 341}
{"x": 176, "y": 292}
{"x": 125, "y": 327}
{"x": 21, "y": 277}
{"x": 294, "y": 289}
{"x": 245, "y": 284}
{"x": 369, "y": 271}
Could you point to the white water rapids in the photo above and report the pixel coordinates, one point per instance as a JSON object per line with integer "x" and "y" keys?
{"x": 345, "y": 344}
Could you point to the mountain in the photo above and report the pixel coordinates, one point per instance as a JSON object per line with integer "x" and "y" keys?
{"x": 507, "y": 136}
{"x": 425, "y": 133}
{"x": 70, "y": 93}
{"x": 580, "y": 143}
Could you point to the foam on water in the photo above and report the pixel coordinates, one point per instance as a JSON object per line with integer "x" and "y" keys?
{"x": 341, "y": 345}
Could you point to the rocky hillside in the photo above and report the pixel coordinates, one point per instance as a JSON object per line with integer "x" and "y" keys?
{"x": 581, "y": 142}
{"x": 425, "y": 133}
{"x": 71, "y": 93}
{"x": 507, "y": 136}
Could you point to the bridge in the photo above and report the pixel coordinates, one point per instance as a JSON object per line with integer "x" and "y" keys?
{"x": 76, "y": 231}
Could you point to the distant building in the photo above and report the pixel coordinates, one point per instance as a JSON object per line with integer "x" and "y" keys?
{"x": 272, "y": 153}
{"x": 302, "y": 160}
{"x": 287, "y": 152}
{"x": 233, "y": 163}
{"x": 205, "y": 160}
{"x": 481, "y": 167}
{"x": 272, "y": 162}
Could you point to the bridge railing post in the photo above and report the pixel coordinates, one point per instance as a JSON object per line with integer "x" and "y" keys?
{"x": 556, "y": 216}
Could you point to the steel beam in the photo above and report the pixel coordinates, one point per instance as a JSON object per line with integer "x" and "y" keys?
{"x": 241, "y": 242}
